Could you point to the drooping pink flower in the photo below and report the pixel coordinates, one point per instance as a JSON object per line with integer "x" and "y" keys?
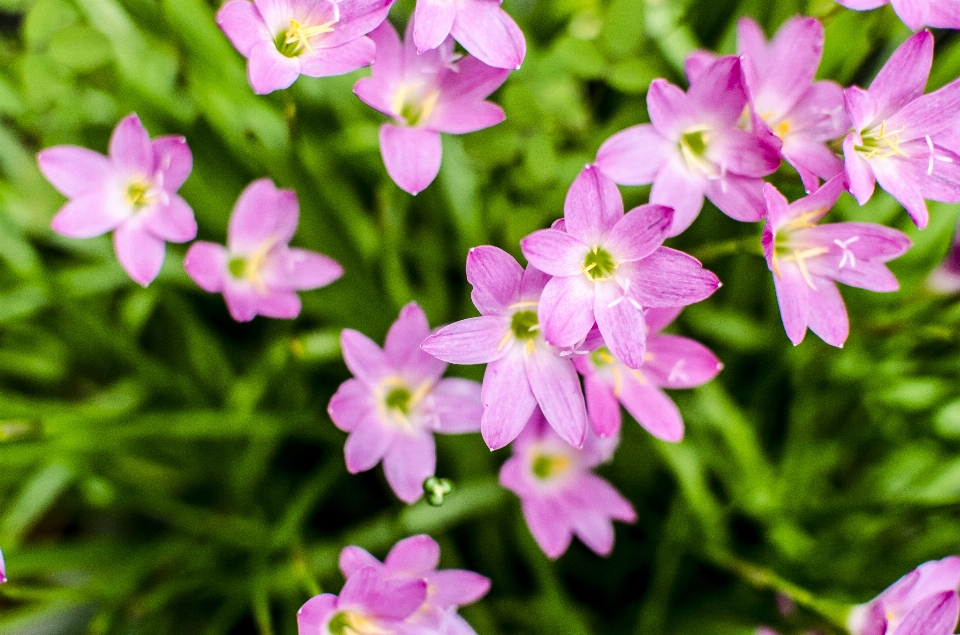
{"x": 481, "y": 26}
{"x": 417, "y": 558}
{"x": 523, "y": 371}
{"x": 923, "y": 602}
{"x": 397, "y": 401}
{"x": 368, "y": 604}
{"x": 943, "y": 14}
{"x": 608, "y": 266}
{"x": 283, "y": 38}
{"x": 671, "y": 361}
{"x": 787, "y": 107}
{"x": 132, "y": 192}
{"x": 895, "y": 140}
{"x": 694, "y": 147}
{"x": 559, "y": 493}
{"x": 258, "y": 273}
{"x": 426, "y": 94}
{"x": 806, "y": 259}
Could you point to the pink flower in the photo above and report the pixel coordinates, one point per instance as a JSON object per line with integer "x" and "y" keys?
{"x": 895, "y": 140}
{"x": 944, "y": 14}
{"x": 946, "y": 278}
{"x": 131, "y": 192}
{"x": 607, "y": 267}
{"x": 671, "y": 361}
{"x": 416, "y": 558}
{"x": 283, "y": 38}
{"x": 807, "y": 258}
{"x": 396, "y": 401}
{"x": 923, "y": 602}
{"x": 787, "y": 107}
{"x": 559, "y": 494}
{"x": 258, "y": 272}
{"x": 481, "y": 26}
{"x": 694, "y": 147}
{"x": 426, "y": 94}
{"x": 3, "y": 569}
{"x": 523, "y": 371}
{"x": 369, "y": 604}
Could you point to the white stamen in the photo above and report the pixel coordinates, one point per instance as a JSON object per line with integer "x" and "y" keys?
{"x": 677, "y": 372}
{"x": 847, "y": 254}
{"x": 930, "y": 147}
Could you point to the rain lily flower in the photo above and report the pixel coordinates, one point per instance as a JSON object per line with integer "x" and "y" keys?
{"x": 923, "y": 602}
{"x": 694, "y": 147}
{"x": 258, "y": 272}
{"x": 559, "y": 494}
{"x": 283, "y": 38}
{"x": 607, "y": 266}
{"x": 481, "y": 26}
{"x": 426, "y": 94}
{"x": 416, "y": 558}
{"x": 787, "y": 107}
{"x": 807, "y": 258}
{"x": 523, "y": 370}
{"x": 396, "y": 401}
{"x": 943, "y": 14}
{"x": 132, "y": 192}
{"x": 369, "y": 604}
{"x": 895, "y": 141}
{"x": 946, "y": 278}
{"x": 671, "y": 361}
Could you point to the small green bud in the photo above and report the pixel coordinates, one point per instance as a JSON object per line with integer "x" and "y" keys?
{"x": 436, "y": 489}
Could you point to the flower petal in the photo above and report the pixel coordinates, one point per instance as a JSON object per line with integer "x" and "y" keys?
{"x": 411, "y": 156}
{"x": 89, "y": 215}
{"x": 410, "y": 460}
{"x": 433, "y": 20}
{"x": 173, "y": 160}
{"x": 402, "y": 345}
{"x": 473, "y": 80}
{"x": 904, "y": 77}
{"x": 456, "y": 587}
{"x": 495, "y": 276}
{"x": 489, "y": 34}
{"x": 262, "y": 213}
{"x": 268, "y": 70}
{"x": 679, "y": 362}
{"x": 351, "y": 404}
{"x": 346, "y": 58}
{"x": 556, "y": 386}
{"x": 828, "y": 315}
{"x": 508, "y": 401}
{"x": 366, "y": 445}
{"x": 935, "y": 615}
{"x": 894, "y": 175}
{"x": 621, "y": 324}
{"x": 173, "y": 222}
{"x": 299, "y": 269}
{"x": 668, "y": 277}
{"x": 549, "y": 524}
{"x": 206, "y": 264}
{"x": 279, "y": 303}
{"x": 241, "y": 299}
{"x": 415, "y": 555}
{"x": 566, "y": 310}
{"x": 457, "y": 404}
{"x": 363, "y": 357}
{"x": 140, "y": 252}
{"x": 670, "y": 109}
{"x": 243, "y": 25}
{"x": 719, "y": 94}
{"x": 739, "y": 197}
{"x": 462, "y": 116}
{"x": 130, "y": 148}
{"x": 639, "y": 232}
{"x": 676, "y": 187}
{"x": 75, "y": 171}
{"x": 634, "y": 156}
{"x": 591, "y": 209}
{"x": 602, "y": 407}
{"x": 860, "y": 176}
{"x": 793, "y": 298}
{"x": 555, "y": 252}
{"x": 353, "y": 558}
{"x": 471, "y": 341}
{"x": 652, "y": 409}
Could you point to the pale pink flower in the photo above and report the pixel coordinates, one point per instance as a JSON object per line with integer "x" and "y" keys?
{"x": 671, "y": 361}
{"x": 559, "y": 493}
{"x": 943, "y": 14}
{"x": 283, "y": 38}
{"x": 258, "y": 272}
{"x": 426, "y": 94}
{"x": 131, "y": 192}
{"x": 397, "y": 401}
{"x": 480, "y": 26}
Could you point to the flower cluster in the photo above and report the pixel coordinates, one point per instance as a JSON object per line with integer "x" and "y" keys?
{"x": 403, "y": 595}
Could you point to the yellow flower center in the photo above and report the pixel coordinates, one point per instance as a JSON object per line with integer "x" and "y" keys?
{"x": 296, "y": 39}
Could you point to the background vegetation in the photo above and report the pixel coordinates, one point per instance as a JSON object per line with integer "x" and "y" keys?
{"x": 165, "y": 470}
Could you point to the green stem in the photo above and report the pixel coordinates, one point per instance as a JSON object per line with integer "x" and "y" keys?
{"x": 835, "y": 612}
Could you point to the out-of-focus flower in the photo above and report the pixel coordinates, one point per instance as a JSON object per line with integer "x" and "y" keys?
{"x": 807, "y": 258}
{"x": 416, "y": 558}
{"x": 608, "y": 266}
{"x": 258, "y": 273}
{"x": 3, "y": 569}
{"x": 943, "y": 14}
{"x": 523, "y": 371}
{"x": 787, "y": 107}
{"x": 283, "y": 38}
{"x": 895, "y": 137}
{"x": 397, "y": 401}
{"x": 671, "y": 361}
{"x": 131, "y": 192}
{"x": 923, "y": 602}
{"x": 559, "y": 493}
{"x": 426, "y": 94}
{"x": 694, "y": 147}
{"x": 946, "y": 277}
{"x": 368, "y": 604}
{"x": 481, "y": 26}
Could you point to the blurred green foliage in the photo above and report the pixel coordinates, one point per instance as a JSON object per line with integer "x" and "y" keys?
{"x": 165, "y": 470}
